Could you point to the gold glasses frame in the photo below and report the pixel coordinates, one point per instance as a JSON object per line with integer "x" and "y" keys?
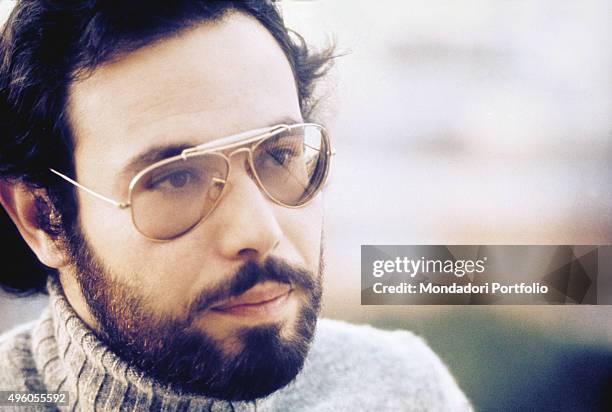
{"x": 245, "y": 142}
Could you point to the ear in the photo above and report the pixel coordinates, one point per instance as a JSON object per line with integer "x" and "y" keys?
{"x": 20, "y": 204}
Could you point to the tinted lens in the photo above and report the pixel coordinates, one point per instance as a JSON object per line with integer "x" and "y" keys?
{"x": 292, "y": 165}
{"x": 170, "y": 199}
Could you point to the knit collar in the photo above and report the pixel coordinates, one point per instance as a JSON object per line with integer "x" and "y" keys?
{"x": 70, "y": 357}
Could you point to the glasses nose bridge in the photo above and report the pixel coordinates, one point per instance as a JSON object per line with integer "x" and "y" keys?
{"x": 248, "y": 162}
{"x": 247, "y": 150}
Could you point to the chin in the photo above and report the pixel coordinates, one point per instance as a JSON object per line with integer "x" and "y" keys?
{"x": 257, "y": 362}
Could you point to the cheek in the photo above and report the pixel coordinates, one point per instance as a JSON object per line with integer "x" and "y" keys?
{"x": 167, "y": 275}
{"x": 302, "y": 228}
{"x": 106, "y": 227}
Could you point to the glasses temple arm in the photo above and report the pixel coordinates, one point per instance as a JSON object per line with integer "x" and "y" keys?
{"x": 91, "y": 192}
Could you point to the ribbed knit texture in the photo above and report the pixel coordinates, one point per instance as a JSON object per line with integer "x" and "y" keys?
{"x": 349, "y": 367}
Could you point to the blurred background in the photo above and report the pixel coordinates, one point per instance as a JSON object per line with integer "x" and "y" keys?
{"x": 468, "y": 122}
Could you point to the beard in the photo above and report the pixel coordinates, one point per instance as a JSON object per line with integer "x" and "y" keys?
{"x": 174, "y": 352}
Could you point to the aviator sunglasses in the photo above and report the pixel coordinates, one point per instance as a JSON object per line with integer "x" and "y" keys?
{"x": 289, "y": 163}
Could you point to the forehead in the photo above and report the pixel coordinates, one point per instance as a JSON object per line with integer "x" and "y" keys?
{"x": 213, "y": 80}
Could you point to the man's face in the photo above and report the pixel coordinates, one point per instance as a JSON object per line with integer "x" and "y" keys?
{"x": 173, "y": 305}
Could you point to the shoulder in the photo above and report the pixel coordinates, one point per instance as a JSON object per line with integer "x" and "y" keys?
{"x": 17, "y": 367}
{"x": 397, "y": 357}
{"x": 344, "y": 341}
{"x": 364, "y": 368}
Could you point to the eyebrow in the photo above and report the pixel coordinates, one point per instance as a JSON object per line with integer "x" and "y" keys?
{"x": 157, "y": 153}
{"x": 150, "y": 156}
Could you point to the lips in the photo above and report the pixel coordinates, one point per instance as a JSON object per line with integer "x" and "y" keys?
{"x": 259, "y": 296}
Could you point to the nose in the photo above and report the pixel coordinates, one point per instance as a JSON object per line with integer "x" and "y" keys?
{"x": 248, "y": 228}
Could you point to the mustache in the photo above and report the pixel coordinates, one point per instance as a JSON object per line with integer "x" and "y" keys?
{"x": 249, "y": 275}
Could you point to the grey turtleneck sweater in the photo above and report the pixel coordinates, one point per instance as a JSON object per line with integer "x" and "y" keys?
{"x": 349, "y": 368}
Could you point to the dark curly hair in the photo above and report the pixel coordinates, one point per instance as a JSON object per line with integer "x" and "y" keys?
{"x": 48, "y": 44}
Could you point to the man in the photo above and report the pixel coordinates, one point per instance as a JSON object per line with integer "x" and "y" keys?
{"x": 159, "y": 158}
